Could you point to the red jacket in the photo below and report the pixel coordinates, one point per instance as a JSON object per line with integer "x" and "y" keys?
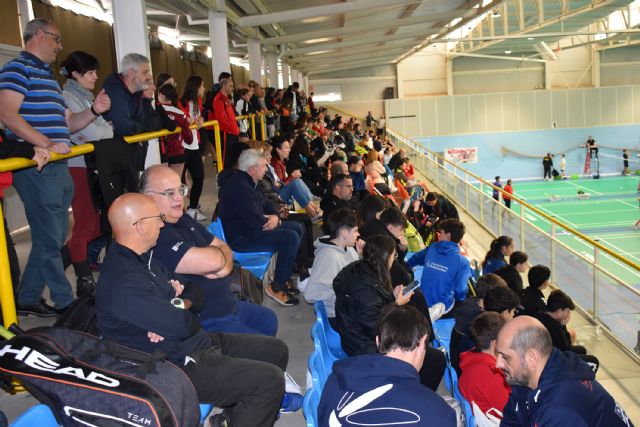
{"x": 507, "y": 189}
{"x": 173, "y": 143}
{"x": 225, "y": 114}
{"x": 482, "y": 382}
{"x": 281, "y": 170}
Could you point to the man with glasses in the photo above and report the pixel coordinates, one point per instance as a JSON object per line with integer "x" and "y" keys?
{"x": 33, "y": 110}
{"x": 339, "y": 195}
{"x": 186, "y": 247}
{"x": 142, "y": 304}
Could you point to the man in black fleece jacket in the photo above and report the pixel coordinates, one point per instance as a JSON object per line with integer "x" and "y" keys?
{"x": 139, "y": 304}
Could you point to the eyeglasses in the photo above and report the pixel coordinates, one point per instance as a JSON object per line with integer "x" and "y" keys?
{"x": 57, "y": 38}
{"x": 161, "y": 217}
{"x": 172, "y": 193}
{"x": 346, "y": 185}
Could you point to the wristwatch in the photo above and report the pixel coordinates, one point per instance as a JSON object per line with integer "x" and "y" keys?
{"x": 178, "y": 303}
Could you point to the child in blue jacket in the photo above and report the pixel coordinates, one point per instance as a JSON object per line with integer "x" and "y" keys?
{"x": 446, "y": 272}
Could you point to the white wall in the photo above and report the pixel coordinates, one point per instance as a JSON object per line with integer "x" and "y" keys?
{"x": 515, "y": 111}
{"x": 422, "y": 74}
{"x": 362, "y": 88}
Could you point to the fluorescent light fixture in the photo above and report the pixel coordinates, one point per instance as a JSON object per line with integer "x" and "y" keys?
{"x": 507, "y": 52}
{"x": 319, "y": 40}
{"x": 530, "y": 38}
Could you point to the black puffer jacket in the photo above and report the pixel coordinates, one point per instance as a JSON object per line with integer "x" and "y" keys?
{"x": 360, "y": 298}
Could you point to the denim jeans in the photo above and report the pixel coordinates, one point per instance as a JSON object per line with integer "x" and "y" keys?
{"x": 249, "y": 318}
{"x": 298, "y": 190}
{"x": 285, "y": 240}
{"x": 46, "y": 196}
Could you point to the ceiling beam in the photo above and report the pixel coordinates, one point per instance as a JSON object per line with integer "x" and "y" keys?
{"x": 314, "y": 11}
{"x": 343, "y": 61}
{"x": 366, "y": 27}
{"x": 344, "y": 55}
{"x": 359, "y": 42}
{"x": 538, "y": 35}
{"x": 349, "y": 67}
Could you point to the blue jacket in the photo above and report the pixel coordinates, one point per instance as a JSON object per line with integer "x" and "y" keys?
{"x": 241, "y": 206}
{"x": 493, "y": 265}
{"x": 373, "y": 389}
{"x": 445, "y": 274}
{"x": 567, "y": 395}
{"x": 358, "y": 180}
{"x": 130, "y": 113}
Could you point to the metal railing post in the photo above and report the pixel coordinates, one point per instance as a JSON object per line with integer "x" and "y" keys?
{"x": 596, "y": 261}
{"x": 522, "y": 237}
{"x": 9, "y": 315}
{"x": 466, "y": 191}
{"x": 263, "y": 126}
{"x": 553, "y": 252}
{"x": 218, "y": 143}
{"x": 253, "y": 126}
{"x": 480, "y": 194}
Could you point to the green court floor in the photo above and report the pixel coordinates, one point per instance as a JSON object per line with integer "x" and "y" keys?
{"x": 608, "y": 216}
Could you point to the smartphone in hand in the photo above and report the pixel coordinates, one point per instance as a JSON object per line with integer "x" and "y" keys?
{"x": 411, "y": 287}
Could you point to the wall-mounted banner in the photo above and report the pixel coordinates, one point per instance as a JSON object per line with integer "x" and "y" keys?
{"x": 464, "y": 155}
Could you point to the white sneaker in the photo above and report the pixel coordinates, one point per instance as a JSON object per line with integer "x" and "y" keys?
{"x": 196, "y": 214}
{"x": 436, "y": 311}
{"x": 290, "y": 385}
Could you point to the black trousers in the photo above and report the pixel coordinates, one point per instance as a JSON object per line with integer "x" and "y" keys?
{"x": 547, "y": 171}
{"x": 117, "y": 165}
{"x": 305, "y": 253}
{"x": 193, "y": 165}
{"x": 242, "y": 374}
{"x": 227, "y": 141}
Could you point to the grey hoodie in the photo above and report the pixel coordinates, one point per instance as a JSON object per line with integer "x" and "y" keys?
{"x": 329, "y": 260}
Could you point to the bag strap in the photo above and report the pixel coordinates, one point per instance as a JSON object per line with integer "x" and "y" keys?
{"x": 147, "y": 362}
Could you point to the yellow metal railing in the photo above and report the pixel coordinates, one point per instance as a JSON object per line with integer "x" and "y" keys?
{"x": 15, "y": 163}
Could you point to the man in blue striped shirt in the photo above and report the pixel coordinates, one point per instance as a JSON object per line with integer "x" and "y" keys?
{"x": 33, "y": 109}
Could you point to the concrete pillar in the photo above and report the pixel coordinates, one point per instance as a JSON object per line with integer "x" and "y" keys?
{"x": 255, "y": 59}
{"x": 130, "y": 33}
{"x": 130, "y": 28}
{"x": 547, "y": 76}
{"x": 219, "y": 40}
{"x": 25, "y": 12}
{"x": 595, "y": 68}
{"x": 285, "y": 75}
{"x": 272, "y": 69}
{"x": 449, "y": 64}
{"x": 306, "y": 84}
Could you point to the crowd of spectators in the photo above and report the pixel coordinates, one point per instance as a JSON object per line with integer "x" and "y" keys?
{"x": 165, "y": 280}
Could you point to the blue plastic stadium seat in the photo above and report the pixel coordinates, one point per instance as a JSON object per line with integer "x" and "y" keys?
{"x": 255, "y": 262}
{"x": 310, "y": 406}
{"x": 38, "y": 415}
{"x": 320, "y": 343}
{"x": 205, "y": 409}
{"x": 333, "y": 338}
{"x": 466, "y": 407}
{"x": 316, "y": 368}
{"x": 442, "y": 329}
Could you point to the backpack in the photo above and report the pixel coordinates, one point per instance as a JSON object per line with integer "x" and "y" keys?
{"x": 87, "y": 381}
{"x": 81, "y": 315}
{"x": 246, "y": 285}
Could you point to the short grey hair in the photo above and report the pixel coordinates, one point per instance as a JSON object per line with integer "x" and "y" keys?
{"x": 33, "y": 26}
{"x": 132, "y": 61}
{"x": 249, "y": 158}
{"x": 536, "y": 336}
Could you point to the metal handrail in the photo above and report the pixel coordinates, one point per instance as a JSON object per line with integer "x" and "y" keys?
{"x": 9, "y": 314}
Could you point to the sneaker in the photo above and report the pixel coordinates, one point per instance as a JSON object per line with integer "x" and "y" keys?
{"x": 281, "y": 297}
{"x": 290, "y": 385}
{"x": 291, "y": 402}
{"x": 436, "y": 311}
{"x": 196, "y": 214}
{"x": 39, "y": 309}
{"x": 219, "y": 420}
{"x": 85, "y": 285}
{"x": 290, "y": 288}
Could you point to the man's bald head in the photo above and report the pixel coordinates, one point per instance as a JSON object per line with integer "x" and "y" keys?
{"x": 154, "y": 173}
{"x": 338, "y": 166}
{"x": 524, "y": 333}
{"x": 135, "y": 220}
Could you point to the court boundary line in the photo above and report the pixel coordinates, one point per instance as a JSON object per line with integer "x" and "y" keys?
{"x": 601, "y": 240}
{"x": 585, "y": 187}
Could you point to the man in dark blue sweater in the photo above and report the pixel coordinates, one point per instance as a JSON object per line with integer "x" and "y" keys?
{"x": 186, "y": 247}
{"x": 548, "y": 386}
{"x": 384, "y": 389}
{"x": 251, "y": 223}
{"x": 139, "y": 304}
